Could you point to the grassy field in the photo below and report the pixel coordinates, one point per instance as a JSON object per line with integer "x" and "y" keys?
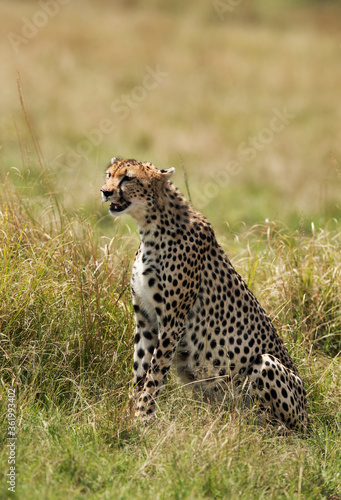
{"x": 245, "y": 102}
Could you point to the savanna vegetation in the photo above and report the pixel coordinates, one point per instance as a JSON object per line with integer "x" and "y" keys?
{"x": 243, "y": 98}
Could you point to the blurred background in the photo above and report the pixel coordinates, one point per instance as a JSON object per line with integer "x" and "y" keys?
{"x": 242, "y": 96}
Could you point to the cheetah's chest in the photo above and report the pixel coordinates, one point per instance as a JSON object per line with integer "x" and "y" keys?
{"x": 143, "y": 279}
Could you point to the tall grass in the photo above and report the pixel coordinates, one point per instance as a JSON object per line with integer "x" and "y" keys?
{"x": 64, "y": 308}
{"x": 301, "y": 278}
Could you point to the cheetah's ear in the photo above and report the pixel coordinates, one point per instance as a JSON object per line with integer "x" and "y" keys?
{"x": 166, "y": 173}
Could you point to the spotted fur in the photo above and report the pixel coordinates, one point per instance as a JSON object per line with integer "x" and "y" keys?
{"x": 192, "y": 308}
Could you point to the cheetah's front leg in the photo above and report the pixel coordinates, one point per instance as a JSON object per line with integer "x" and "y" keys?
{"x": 159, "y": 367}
{"x": 146, "y": 338}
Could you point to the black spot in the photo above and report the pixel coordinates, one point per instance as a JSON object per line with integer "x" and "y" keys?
{"x": 157, "y": 297}
{"x": 259, "y": 384}
{"x": 273, "y": 394}
{"x": 166, "y": 343}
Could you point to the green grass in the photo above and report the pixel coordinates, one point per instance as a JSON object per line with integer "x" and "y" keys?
{"x": 66, "y": 321}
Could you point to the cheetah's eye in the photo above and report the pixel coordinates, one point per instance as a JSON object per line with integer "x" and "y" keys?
{"x": 126, "y": 179}
{"x": 108, "y": 175}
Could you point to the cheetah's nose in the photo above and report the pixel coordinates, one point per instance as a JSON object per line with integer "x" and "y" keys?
{"x": 105, "y": 193}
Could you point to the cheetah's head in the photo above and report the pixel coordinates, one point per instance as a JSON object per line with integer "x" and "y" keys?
{"x": 131, "y": 186}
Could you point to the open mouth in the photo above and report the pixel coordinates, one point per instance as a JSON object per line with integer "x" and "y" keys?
{"x": 118, "y": 207}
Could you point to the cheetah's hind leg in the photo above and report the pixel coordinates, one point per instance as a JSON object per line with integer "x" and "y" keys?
{"x": 280, "y": 392}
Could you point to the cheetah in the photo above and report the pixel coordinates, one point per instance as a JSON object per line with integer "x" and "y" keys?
{"x": 192, "y": 308}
